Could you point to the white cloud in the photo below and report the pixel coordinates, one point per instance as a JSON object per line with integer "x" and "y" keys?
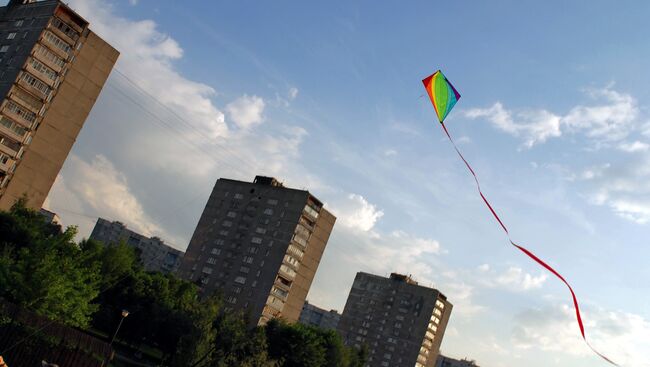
{"x": 534, "y": 126}
{"x": 246, "y": 111}
{"x": 390, "y": 153}
{"x": 357, "y": 213}
{"x": 147, "y": 56}
{"x": 623, "y": 188}
{"x": 621, "y": 336}
{"x": 513, "y": 279}
{"x": 636, "y": 146}
{"x": 516, "y": 279}
{"x": 98, "y": 187}
{"x": 610, "y": 121}
{"x": 293, "y": 93}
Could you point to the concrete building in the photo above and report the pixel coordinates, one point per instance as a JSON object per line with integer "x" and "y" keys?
{"x": 450, "y": 362}
{"x": 52, "y": 68}
{"x": 259, "y": 244}
{"x": 50, "y": 217}
{"x": 401, "y": 322}
{"x": 154, "y": 254}
{"x": 316, "y": 316}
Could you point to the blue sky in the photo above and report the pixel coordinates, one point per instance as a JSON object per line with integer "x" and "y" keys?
{"x": 327, "y": 96}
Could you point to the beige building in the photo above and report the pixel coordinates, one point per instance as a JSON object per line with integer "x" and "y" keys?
{"x": 52, "y": 69}
{"x": 259, "y": 244}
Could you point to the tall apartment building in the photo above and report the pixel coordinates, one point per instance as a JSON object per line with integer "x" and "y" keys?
{"x": 259, "y": 244}
{"x": 401, "y": 322}
{"x": 451, "y": 362}
{"x": 154, "y": 254}
{"x": 316, "y": 316}
{"x": 52, "y": 68}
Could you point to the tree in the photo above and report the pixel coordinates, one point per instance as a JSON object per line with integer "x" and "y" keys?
{"x": 42, "y": 268}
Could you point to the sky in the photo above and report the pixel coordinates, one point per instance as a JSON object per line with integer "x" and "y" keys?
{"x": 327, "y": 96}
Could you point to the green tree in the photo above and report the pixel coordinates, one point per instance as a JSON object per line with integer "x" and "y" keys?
{"x": 42, "y": 268}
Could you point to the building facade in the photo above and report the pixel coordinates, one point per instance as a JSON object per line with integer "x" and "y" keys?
{"x": 450, "y": 362}
{"x": 259, "y": 244}
{"x": 52, "y": 69}
{"x": 316, "y": 316}
{"x": 401, "y": 322}
{"x": 154, "y": 254}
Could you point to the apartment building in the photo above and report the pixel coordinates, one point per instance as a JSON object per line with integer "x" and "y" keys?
{"x": 402, "y": 323}
{"x": 258, "y": 243}
{"x": 52, "y": 69}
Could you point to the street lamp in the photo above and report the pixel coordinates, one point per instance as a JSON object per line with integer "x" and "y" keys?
{"x": 125, "y": 313}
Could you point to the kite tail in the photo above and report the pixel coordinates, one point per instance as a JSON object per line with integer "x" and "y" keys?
{"x": 527, "y": 252}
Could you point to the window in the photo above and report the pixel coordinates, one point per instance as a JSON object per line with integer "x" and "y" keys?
{"x": 257, "y": 240}
{"x": 36, "y": 83}
{"x": 65, "y": 28}
{"x": 212, "y": 260}
{"x": 38, "y": 66}
{"x": 239, "y": 196}
{"x": 11, "y": 35}
{"x": 20, "y": 111}
{"x": 272, "y": 202}
{"x": 247, "y": 260}
{"x": 207, "y": 270}
{"x": 253, "y": 250}
{"x": 18, "y": 23}
{"x": 236, "y": 290}
{"x": 244, "y": 269}
{"x": 3, "y": 158}
{"x": 231, "y": 299}
{"x": 219, "y": 242}
{"x": 223, "y": 232}
{"x": 226, "y": 223}
{"x": 45, "y": 53}
{"x": 4, "y": 48}
{"x": 231, "y": 214}
{"x": 240, "y": 280}
{"x": 205, "y": 281}
{"x": 14, "y": 127}
{"x": 215, "y": 251}
{"x": 57, "y": 42}
{"x": 268, "y": 211}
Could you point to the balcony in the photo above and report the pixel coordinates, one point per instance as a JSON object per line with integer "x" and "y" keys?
{"x": 25, "y": 99}
{"x": 5, "y": 129}
{"x": 28, "y": 83}
{"x": 44, "y": 77}
{"x": 9, "y": 147}
{"x": 18, "y": 114}
{"x": 56, "y": 44}
{"x": 59, "y": 28}
{"x": 6, "y": 166}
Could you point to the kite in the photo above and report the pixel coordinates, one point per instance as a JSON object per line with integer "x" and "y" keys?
{"x": 444, "y": 96}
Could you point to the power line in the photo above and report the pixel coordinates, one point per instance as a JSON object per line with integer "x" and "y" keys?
{"x": 181, "y": 119}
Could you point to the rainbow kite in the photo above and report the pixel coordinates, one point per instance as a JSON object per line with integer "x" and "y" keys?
{"x": 444, "y": 96}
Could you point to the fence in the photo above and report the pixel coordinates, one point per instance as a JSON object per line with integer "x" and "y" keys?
{"x": 55, "y": 343}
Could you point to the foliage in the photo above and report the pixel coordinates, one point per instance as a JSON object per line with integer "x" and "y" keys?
{"x": 301, "y": 345}
{"x": 89, "y": 284}
{"x": 42, "y": 268}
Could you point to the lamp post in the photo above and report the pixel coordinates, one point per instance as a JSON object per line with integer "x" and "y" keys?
{"x": 125, "y": 313}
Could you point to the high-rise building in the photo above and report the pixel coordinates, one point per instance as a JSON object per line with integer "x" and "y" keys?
{"x": 259, "y": 244}
{"x": 52, "y": 68}
{"x": 316, "y": 316}
{"x": 401, "y": 322}
{"x": 154, "y": 254}
{"x": 451, "y": 362}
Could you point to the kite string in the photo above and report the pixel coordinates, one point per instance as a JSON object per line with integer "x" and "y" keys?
{"x": 526, "y": 251}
